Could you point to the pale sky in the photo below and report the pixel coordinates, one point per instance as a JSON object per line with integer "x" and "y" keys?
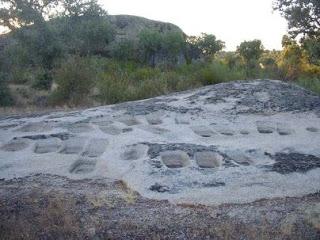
{"x": 232, "y": 21}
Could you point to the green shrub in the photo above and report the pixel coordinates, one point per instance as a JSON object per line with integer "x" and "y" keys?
{"x": 113, "y": 89}
{"x": 5, "y": 97}
{"x": 217, "y": 72}
{"x": 42, "y": 79}
{"x": 144, "y": 73}
{"x": 124, "y": 50}
{"x": 208, "y": 76}
{"x": 75, "y": 79}
{"x": 85, "y": 35}
{"x": 312, "y": 84}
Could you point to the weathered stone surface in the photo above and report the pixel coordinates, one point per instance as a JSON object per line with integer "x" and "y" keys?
{"x": 175, "y": 159}
{"x": 155, "y": 148}
{"x": 284, "y": 129}
{"x": 47, "y": 146}
{"x": 203, "y": 131}
{"x": 265, "y": 127}
{"x": 80, "y": 128}
{"x": 73, "y": 145}
{"x": 61, "y": 136}
{"x": 294, "y": 162}
{"x": 182, "y": 120}
{"x": 95, "y": 147}
{"x": 208, "y": 159}
{"x": 154, "y": 119}
{"x": 239, "y": 157}
{"x": 216, "y": 166}
{"x": 111, "y": 130}
{"x": 35, "y": 127}
{"x": 83, "y": 166}
{"x": 244, "y": 132}
{"x": 15, "y": 145}
{"x": 226, "y": 131}
{"x": 101, "y": 121}
{"x": 129, "y": 120}
{"x": 209, "y": 155}
{"x": 134, "y": 152}
{"x": 154, "y": 129}
{"x": 312, "y": 129}
{"x": 159, "y": 188}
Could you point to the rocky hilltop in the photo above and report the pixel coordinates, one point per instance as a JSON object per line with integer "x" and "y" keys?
{"x": 237, "y": 160}
{"x": 129, "y": 27}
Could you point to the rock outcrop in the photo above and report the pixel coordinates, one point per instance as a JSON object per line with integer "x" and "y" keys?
{"x": 237, "y": 160}
{"x": 129, "y": 27}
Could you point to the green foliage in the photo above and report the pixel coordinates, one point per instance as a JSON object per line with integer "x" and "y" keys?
{"x": 75, "y": 79}
{"x": 92, "y": 35}
{"x": 290, "y": 60}
{"x": 232, "y": 60}
{"x": 122, "y": 82}
{"x": 312, "y": 46}
{"x": 42, "y": 79}
{"x": 172, "y": 44}
{"x": 268, "y": 65}
{"x": 149, "y": 45}
{"x": 125, "y": 50}
{"x": 145, "y": 73}
{"x": 205, "y": 45}
{"x": 251, "y": 51}
{"x": 312, "y": 84}
{"x": 18, "y": 13}
{"x": 217, "y": 72}
{"x": 302, "y": 16}
{"x": 5, "y": 97}
{"x": 76, "y": 8}
{"x": 209, "y": 45}
{"x": 154, "y": 44}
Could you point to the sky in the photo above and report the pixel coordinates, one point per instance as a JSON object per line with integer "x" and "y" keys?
{"x": 232, "y": 21}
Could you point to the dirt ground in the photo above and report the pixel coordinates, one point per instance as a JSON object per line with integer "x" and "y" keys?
{"x": 53, "y": 207}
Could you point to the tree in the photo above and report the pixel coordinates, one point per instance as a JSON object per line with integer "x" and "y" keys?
{"x": 250, "y": 51}
{"x": 312, "y": 47}
{"x": 192, "y": 51}
{"x": 303, "y": 16}
{"x": 290, "y": 60}
{"x": 18, "y": 13}
{"x": 5, "y": 97}
{"x": 172, "y": 44}
{"x": 149, "y": 44}
{"x": 82, "y": 8}
{"x": 205, "y": 45}
{"x": 124, "y": 50}
{"x": 209, "y": 45}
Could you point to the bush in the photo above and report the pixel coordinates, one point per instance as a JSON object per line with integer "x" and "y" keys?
{"x": 145, "y": 73}
{"x": 312, "y": 84}
{"x": 217, "y": 72}
{"x": 75, "y": 79}
{"x": 124, "y": 50}
{"x": 5, "y": 97}
{"x": 112, "y": 89}
{"x": 42, "y": 79}
{"x": 126, "y": 82}
{"x": 84, "y": 35}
